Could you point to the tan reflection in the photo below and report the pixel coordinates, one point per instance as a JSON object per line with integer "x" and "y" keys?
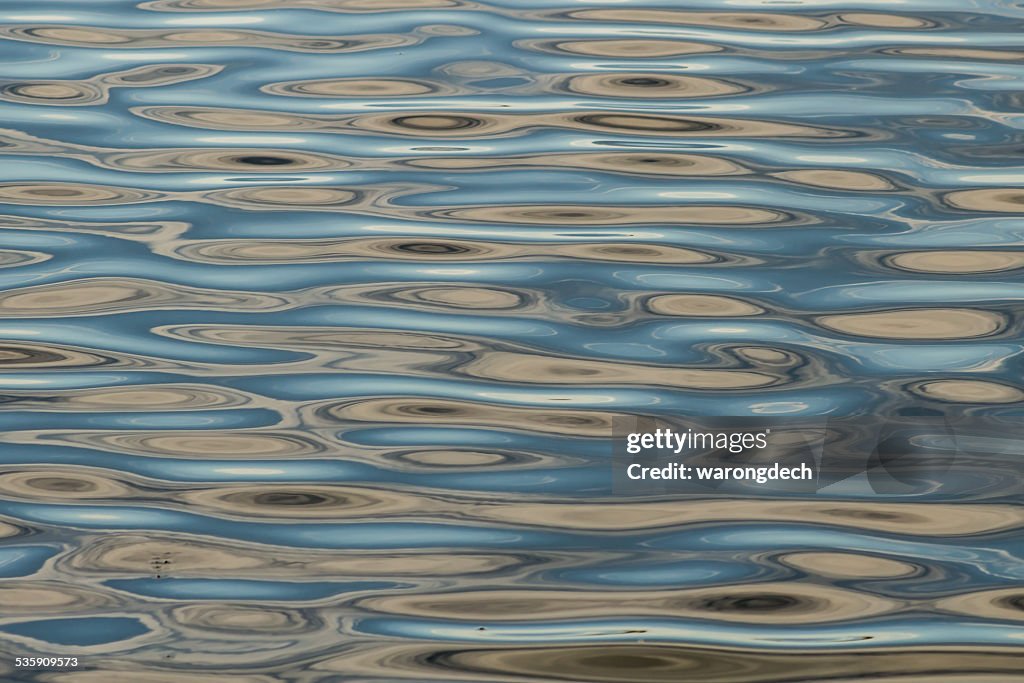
{"x": 259, "y": 160}
{"x": 185, "y": 444}
{"x": 955, "y": 261}
{"x": 318, "y": 338}
{"x": 324, "y": 5}
{"x": 74, "y": 35}
{"x": 916, "y": 519}
{"x": 701, "y": 305}
{"x": 959, "y": 53}
{"x": 752, "y": 21}
{"x": 445, "y": 124}
{"x": 417, "y": 354}
{"x": 225, "y": 619}
{"x": 1000, "y": 603}
{"x": 615, "y": 215}
{"x": 990, "y": 200}
{"x": 388, "y": 361}
{"x": 117, "y": 295}
{"x": 454, "y": 458}
{"x": 436, "y": 411}
{"x": 359, "y": 87}
{"x": 471, "y": 298}
{"x": 283, "y": 198}
{"x": 94, "y": 36}
{"x": 95, "y": 90}
{"x": 354, "y": 351}
{"x": 764, "y": 603}
{"x": 968, "y": 391}
{"x": 230, "y": 119}
{"x": 24, "y": 356}
{"x": 314, "y": 250}
{"x": 135, "y": 231}
{"x": 72, "y": 194}
{"x": 617, "y": 662}
{"x": 155, "y": 160}
{"x": 651, "y": 163}
{"x": 134, "y": 554}
{"x": 315, "y": 502}
{"x": 701, "y": 126}
{"x": 159, "y": 74}
{"x": 938, "y": 677}
{"x": 61, "y": 93}
{"x": 378, "y": 5}
{"x": 423, "y": 250}
{"x": 635, "y": 253}
{"x": 876, "y": 20}
{"x": 434, "y": 297}
{"x": 61, "y": 483}
{"x": 39, "y": 597}
{"x": 10, "y": 258}
{"x": 482, "y": 68}
{"x": 412, "y": 564}
{"x": 917, "y": 323}
{"x": 838, "y": 180}
{"x": 848, "y": 565}
{"x": 766, "y": 356}
{"x": 650, "y": 85}
{"x": 171, "y": 557}
{"x": 100, "y": 675}
{"x": 155, "y": 397}
{"x": 513, "y": 367}
{"x": 637, "y": 48}
{"x": 439, "y": 124}
{"x": 630, "y": 163}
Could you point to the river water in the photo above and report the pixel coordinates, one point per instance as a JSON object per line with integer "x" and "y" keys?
{"x": 315, "y": 314}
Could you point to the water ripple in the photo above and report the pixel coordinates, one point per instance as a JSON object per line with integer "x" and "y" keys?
{"x": 316, "y": 315}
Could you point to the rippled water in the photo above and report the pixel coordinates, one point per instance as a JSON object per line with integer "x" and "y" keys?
{"x": 315, "y": 315}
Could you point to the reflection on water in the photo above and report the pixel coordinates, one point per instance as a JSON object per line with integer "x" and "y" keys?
{"x": 315, "y": 316}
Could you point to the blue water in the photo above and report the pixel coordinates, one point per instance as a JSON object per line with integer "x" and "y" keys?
{"x": 315, "y": 315}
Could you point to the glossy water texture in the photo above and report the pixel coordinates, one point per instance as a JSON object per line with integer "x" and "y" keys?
{"x": 314, "y": 315}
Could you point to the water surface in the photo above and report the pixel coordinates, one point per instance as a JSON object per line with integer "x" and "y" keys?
{"x": 315, "y": 315}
